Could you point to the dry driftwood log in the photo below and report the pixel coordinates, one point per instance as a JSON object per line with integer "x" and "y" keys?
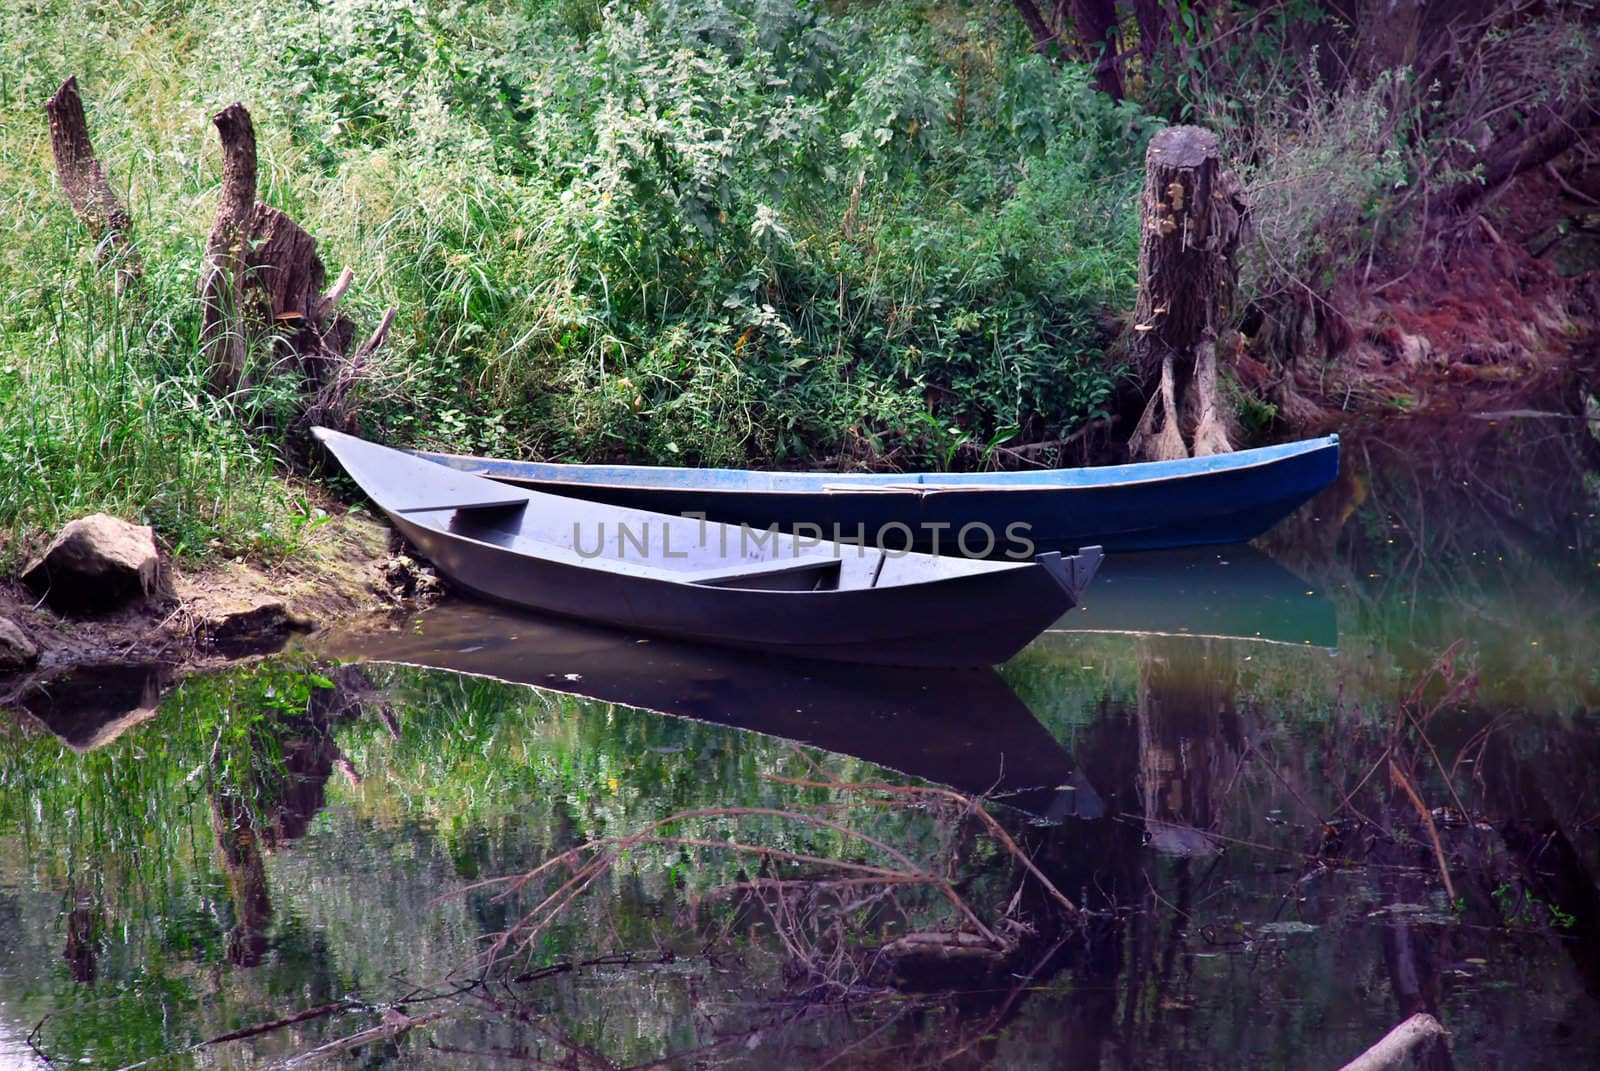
{"x": 1192, "y": 218}
{"x": 1393, "y": 1048}
{"x": 84, "y": 183}
{"x": 263, "y": 289}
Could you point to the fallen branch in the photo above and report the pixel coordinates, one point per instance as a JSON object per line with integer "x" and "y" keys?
{"x": 277, "y": 1024}
{"x": 395, "y": 1024}
{"x": 1397, "y": 1043}
{"x": 1028, "y": 451}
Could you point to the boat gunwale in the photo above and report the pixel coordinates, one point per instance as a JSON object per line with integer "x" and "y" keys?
{"x": 1311, "y": 447}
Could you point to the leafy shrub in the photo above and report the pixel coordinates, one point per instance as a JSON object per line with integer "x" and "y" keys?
{"x": 745, "y": 232}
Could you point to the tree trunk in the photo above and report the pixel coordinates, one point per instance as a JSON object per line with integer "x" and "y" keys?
{"x": 1192, "y": 217}
{"x": 84, "y": 183}
{"x": 1151, "y": 16}
{"x": 1044, "y": 39}
{"x": 263, "y": 288}
{"x": 222, "y": 336}
{"x": 1096, "y": 22}
{"x": 284, "y": 268}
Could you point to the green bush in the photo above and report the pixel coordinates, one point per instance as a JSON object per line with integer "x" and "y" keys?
{"x": 736, "y": 233}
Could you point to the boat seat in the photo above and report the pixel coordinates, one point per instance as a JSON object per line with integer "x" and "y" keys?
{"x": 789, "y": 574}
{"x": 506, "y": 503}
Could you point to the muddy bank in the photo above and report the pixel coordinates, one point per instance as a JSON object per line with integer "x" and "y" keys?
{"x": 208, "y": 616}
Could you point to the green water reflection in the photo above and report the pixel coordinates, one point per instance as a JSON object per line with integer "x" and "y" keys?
{"x": 178, "y": 861}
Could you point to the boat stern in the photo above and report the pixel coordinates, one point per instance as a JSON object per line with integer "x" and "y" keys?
{"x": 1074, "y": 571}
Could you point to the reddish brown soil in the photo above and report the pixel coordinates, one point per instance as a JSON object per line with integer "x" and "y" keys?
{"x": 1471, "y": 322}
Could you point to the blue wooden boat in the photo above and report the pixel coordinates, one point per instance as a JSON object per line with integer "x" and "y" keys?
{"x": 694, "y": 580}
{"x": 1225, "y": 498}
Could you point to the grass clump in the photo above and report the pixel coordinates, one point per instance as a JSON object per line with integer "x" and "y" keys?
{"x": 89, "y": 424}
{"x": 102, "y": 405}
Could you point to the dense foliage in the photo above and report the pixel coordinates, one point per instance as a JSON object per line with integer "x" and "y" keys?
{"x": 753, "y": 232}
{"x": 717, "y": 232}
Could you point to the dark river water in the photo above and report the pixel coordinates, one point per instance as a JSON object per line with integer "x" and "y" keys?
{"x": 1250, "y": 807}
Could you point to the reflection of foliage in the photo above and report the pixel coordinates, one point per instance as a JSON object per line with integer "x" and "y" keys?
{"x": 463, "y": 778}
{"x": 1474, "y": 530}
{"x": 121, "y": 806}
{"x": 830, "y": 914}
{"x": 126, "y": 832}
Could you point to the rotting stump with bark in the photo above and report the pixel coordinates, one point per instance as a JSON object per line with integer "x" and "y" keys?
{"x": 1192, "y": 216}
{"x": 261, "y": 282}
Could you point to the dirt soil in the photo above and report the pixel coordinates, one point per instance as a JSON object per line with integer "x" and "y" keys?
{"x": 1483, "y": 313}
{"x": 223, "y": 612}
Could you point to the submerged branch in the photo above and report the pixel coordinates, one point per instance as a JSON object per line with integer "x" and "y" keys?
{"x": 394, "y": 1025}
{"x": 995, "y": 828}
{"x": 276, "y": 1024}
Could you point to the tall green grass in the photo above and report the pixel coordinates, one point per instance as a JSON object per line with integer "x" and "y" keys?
{"x": 103, "y": 402}
{"x": 95, "y": 418}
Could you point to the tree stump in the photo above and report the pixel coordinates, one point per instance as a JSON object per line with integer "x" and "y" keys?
{"x": 84, "y": 183}
{"x": 222, "y": 336}
{"x": 1192, "y": 218}
{"x": 263, "y": 288}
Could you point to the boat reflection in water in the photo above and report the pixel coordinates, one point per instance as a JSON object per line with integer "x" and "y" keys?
{"x": 962, "y": 728}
{"x": 1234, "y": 592}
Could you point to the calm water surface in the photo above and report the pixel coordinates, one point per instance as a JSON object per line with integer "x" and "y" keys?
{"x": 1247, "y": 764}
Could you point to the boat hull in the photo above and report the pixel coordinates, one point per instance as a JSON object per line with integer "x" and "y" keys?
{"x": 961, "y": 622}
{"x": 778, "y": 594}
{"x": 1230, "y": 498}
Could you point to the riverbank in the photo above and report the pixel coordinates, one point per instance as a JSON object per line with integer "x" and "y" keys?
{"x": 219, "y": 612}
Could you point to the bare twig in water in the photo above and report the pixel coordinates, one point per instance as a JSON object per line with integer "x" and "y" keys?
{"x": 994, "y": 827}
{"x": 33, "y": 1042}
{"x": 1402, "y": 782}
{"x": 589, "y": 861}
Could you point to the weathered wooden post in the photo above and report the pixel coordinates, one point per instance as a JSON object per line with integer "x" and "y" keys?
{"x": 1192, "y": 216}
{"x": 84, "y": 183}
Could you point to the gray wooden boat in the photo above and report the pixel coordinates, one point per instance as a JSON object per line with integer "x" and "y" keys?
{"x": 725, "y": 584}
